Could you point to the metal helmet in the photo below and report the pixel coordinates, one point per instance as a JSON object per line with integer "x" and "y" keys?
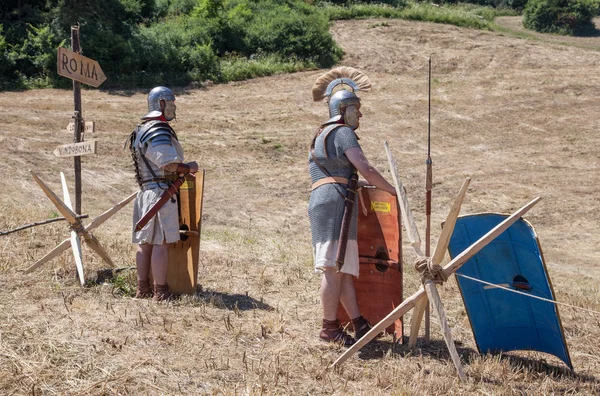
{"x": 341, "y": 98}
{"x": 154, "y": 97}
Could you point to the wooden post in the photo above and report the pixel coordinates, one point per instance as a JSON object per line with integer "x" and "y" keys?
{"x": 77, "y": 120}
{"x": 428, "y": 186}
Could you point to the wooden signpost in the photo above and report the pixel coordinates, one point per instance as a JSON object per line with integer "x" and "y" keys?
{"x": 73, "y": 65}
{"x": 75, "y": 149}
{"x": 88, "y": 127}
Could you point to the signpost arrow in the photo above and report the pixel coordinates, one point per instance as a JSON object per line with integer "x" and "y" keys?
{"x": 76, "y": 149}
{"x": 90, "y": 127}
{"x": 79, "y": 68}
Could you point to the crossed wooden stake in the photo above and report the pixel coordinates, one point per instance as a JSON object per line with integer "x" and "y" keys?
{"x": 429, "y": 289}
{"x": 77, "y": 228}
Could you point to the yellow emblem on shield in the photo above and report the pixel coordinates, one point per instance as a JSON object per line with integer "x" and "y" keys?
{"x": 383, "y": 207}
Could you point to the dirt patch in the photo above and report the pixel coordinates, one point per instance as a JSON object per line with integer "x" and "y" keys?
{"x": 516, "y": 115}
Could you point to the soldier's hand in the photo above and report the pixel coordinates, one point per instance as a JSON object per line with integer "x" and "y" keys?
{"x": 193, "y": 166}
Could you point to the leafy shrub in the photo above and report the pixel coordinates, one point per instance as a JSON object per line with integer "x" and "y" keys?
{"x": 559, "y": 16}
{"x": 595, "y": 4}
{"x": 234, "y": 68}
{"x": 458, "y": 15}
{"x": 5, "y": 65}
{"x": 394, "y": 3}
{"x": 178, "y": 46}
{"x": 358, "y": 11}
{"x": 515, "y": 4}
{"x": 287, "y": 28}
{"x": 165, "y": 8}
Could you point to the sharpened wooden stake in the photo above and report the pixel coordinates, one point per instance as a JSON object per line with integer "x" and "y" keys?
{"x": 407, "y": 217}
{"x": 98, "y": 221}
{"x": 415, "y": 322}
{"x": 95, "y": 245}
{"x": 438, "y": 254}
{"x": 76, "y": 226}
{"x": 448, "y": 228}
{"x": 68, "y": 214}
{"x": 398, "y": 312}
{"x": 449, "y": 269}
{"x": 64, "y": 245}
{"x": 438, "y": 307}
{"x": 61, "y": 247}
{"x": 75, "y": 241}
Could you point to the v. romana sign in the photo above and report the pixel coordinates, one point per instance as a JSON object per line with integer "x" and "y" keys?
{"x": 76, "y": 149}
{"x": 79, "y": 68}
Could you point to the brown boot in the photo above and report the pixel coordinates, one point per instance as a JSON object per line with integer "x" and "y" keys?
{"x": 162, "y": 293}
{"x": 332, "y": 332}
{"x": 143, "y": 289}
{"x": 361, "y": 327}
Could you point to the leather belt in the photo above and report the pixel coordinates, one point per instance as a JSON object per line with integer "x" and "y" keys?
{"x": 161, "y": 179}
{"x": 329, "y": 180}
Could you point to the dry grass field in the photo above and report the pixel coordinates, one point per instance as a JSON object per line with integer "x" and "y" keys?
{"x": 519, "y": 116}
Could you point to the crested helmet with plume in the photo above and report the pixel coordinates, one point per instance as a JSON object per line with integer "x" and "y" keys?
{"x": 326, "y": 83}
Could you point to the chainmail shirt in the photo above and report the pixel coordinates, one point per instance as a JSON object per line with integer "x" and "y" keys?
{"x": 326, "y": 206}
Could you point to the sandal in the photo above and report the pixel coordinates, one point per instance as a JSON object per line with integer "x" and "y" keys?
{"x": 162, "y": 293}
{"x": 332, "y": 332}
{"x": 143, "y": 289}
{"x": 361, "y": 327}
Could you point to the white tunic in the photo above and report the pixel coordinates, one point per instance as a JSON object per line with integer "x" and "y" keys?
{"x": 164, "y": 226}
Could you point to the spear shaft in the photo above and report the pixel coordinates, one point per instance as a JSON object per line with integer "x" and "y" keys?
{"x": 428, "y": 186}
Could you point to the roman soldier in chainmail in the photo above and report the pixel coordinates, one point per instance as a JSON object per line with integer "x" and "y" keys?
{"x": 334, "y": 159}
{"x": 158, "y": 160}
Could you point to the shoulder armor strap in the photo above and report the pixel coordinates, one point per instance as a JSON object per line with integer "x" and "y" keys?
{"x": 152, "y": 129}
{"x": 326, "y": 131}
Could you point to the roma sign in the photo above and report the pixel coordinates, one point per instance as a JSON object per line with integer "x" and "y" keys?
{"x": 79, "y": 68}
{"x": 76, "y": 149}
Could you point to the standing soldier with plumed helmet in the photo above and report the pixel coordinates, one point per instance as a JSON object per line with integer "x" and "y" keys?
{"x": 334, "y": 159}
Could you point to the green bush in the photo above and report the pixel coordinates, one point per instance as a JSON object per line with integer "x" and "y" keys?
{"x": 568, "y": 17}
{"x": 177, "y": 46}
{"x": 287, "y": 28}
{"x": 359, "y": 11}
{"x": 393, "y": 3}
{"x": 235, "y": 68}
{"x": 140, "y": 43}
{"x": 459, "y": 15}
{"x": 595, "y": 7}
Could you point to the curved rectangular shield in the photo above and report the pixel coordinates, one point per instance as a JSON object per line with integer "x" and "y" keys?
{"x": 501, "y": 320}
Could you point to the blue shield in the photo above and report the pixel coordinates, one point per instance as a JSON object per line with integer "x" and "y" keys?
{"x": 501, "y": 320}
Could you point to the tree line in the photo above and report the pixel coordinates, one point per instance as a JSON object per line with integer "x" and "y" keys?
{"x": 141, "y": 43}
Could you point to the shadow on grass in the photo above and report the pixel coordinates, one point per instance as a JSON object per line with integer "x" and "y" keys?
{"x": 543, "y": 367}
{"x": 437, "y": 350}
{"x": 232, "y": 302}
